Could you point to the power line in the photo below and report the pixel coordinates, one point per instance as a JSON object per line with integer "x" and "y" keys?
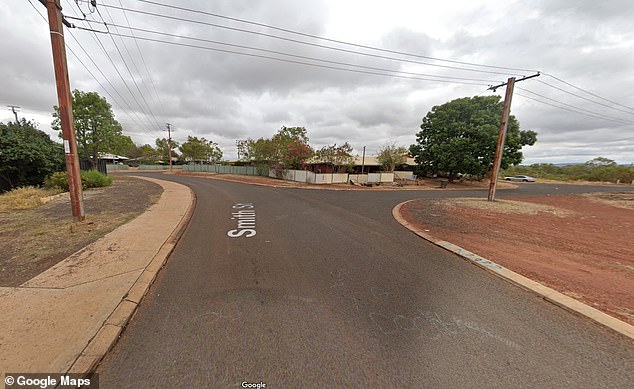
{"x": 129, "y": 71}
{"x": 331, "y": 40}
{"x": 125, "y": 83}
{"x": 300, "y": 41}
{"x": 289, "y": 61}
{"x": 158, "y": 97}
{"x": 575, "y": 107}
{"x": 588, "y": 92}
{"x": 107, "y": 79}
{"x": 573, "y": 110}
{"x": 297, "y": 56}
{"x": 583, "y": 98}
{"x": 79, "y": 60}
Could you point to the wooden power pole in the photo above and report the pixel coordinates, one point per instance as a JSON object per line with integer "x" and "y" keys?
{"x": 499, "y": 149}
{"x": 55, "y": 20}
{"x": 169, "y": 143}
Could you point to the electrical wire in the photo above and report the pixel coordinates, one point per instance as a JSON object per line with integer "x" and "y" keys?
{"x": 125, "y": 83}
{"x": 583, "y": 98}
{"x": 301, "y": 42}
{"x": 158, "y": 97}
{"x": 572, "y": 106}
{"x": 588, "y": 92}
{"x": 81, "y": 62}
{"x": 106, "y": 78}
{"x": 573, "y": 110}
{"x": 299, "y": 56}
{"x": 299, "y": 33}
{"x": 130, "y": 72}
{"x": 288, "y": 60}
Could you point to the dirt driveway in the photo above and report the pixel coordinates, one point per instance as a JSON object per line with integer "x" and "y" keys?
{"x": 581, "y": 245}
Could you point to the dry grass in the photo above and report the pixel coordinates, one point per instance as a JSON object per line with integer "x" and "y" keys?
{"x": 32, "y": 240}
{"x": 24, "y": 198}
{"x": 507, "y": 206}
{"x": 616, "y": 199}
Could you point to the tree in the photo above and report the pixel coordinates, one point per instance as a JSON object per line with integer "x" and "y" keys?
{"x": 288, "y": 148}
{"x": 163, "y": 148}
{"x": 391, "y": 156}
{"x": 460, "y": 137}
{"x": 96, "y": 129}
{"x": 149, "y": 153}
{"x": 601, "y": 161}
{"x": 339, "y": 156}
{"x": 200, "y": 150}
{"x": 123, "y": 145}
{"x": 27, "y": 155}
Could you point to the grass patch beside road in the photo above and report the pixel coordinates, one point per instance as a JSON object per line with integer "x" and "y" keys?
{"x": 32, "y": 240}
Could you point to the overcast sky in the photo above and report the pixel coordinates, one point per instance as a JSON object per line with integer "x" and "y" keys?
{"x": 222, "y": 96}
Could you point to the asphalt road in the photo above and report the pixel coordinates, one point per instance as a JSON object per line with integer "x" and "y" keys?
{"x": 332, "y": 292}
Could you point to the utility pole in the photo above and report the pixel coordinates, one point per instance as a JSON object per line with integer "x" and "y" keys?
{"x": 13, "y": 107}
{"x": 169, "y": 143}
{"x": 363, "y": 161}
{"x": 504, "y": 121}
{"x": 55, "y": 20}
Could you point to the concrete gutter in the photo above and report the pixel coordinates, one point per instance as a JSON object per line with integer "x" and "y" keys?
{"x": 68, "y": 317}
{"x": 545, "y": 292}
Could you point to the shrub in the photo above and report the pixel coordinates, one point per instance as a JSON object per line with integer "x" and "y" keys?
{"x": 94, "y": 179}
{"x": 89, "y": 179}
{"x": 57, "y": 180}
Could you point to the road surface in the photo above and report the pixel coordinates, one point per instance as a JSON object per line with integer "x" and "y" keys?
{"x": 325, "y": 289}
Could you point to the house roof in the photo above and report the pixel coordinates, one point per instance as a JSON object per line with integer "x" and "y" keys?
{"x": 111, "y": 156}
{"x": 372, "y": 161}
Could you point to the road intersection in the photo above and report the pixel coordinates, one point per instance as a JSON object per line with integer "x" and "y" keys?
{"x": 332, "y": 291}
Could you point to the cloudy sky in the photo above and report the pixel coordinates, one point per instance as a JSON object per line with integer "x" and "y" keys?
{"x": 582, "y": 106}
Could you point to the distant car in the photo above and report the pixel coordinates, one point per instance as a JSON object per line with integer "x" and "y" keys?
{"x": 520, "y": 178}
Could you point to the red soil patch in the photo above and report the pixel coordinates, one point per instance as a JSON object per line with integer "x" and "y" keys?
{"x": 585, "y": 249}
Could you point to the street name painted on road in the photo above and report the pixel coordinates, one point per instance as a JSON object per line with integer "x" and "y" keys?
{"x": 244, "y": 213}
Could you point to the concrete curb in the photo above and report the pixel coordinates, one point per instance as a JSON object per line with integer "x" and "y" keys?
{"x": 548, "y": 294}
{"x": 114, "y": 325}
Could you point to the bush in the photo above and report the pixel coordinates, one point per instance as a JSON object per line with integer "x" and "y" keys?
{"x": 94, "y": 179}
{"x": 57, "y": 180}
{"x": 89, "y": 179}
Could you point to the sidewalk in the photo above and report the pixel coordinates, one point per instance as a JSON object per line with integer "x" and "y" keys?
{"x": 68, "y": 317}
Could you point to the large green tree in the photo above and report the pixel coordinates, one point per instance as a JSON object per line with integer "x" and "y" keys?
{"x": 96, "y": 129}
{"x": 200, "y": 150}
{"x": 460, "y": 137}
{"x": 123, "y": 145}
{"x": 27, "y": 155}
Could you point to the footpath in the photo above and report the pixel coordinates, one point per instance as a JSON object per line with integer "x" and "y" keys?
{"x": 68, "y": 317}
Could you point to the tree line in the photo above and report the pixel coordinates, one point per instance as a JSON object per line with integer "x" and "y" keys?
{"x": 454, "y": 139}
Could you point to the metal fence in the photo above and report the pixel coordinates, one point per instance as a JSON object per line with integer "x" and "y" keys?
{"x": 100, "y": 166}
{"x": 222, "y": 169}
{"x": 159, "y": 167}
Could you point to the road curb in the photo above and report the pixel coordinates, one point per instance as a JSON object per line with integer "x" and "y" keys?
{"x": 116, "y": 322}
{"x": 566, "y": 302}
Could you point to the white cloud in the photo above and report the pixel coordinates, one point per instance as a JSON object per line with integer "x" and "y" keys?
{"x": 224, "y": 96}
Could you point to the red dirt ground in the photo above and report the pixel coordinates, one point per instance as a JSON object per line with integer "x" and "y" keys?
{"x": 585, "y": 249}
